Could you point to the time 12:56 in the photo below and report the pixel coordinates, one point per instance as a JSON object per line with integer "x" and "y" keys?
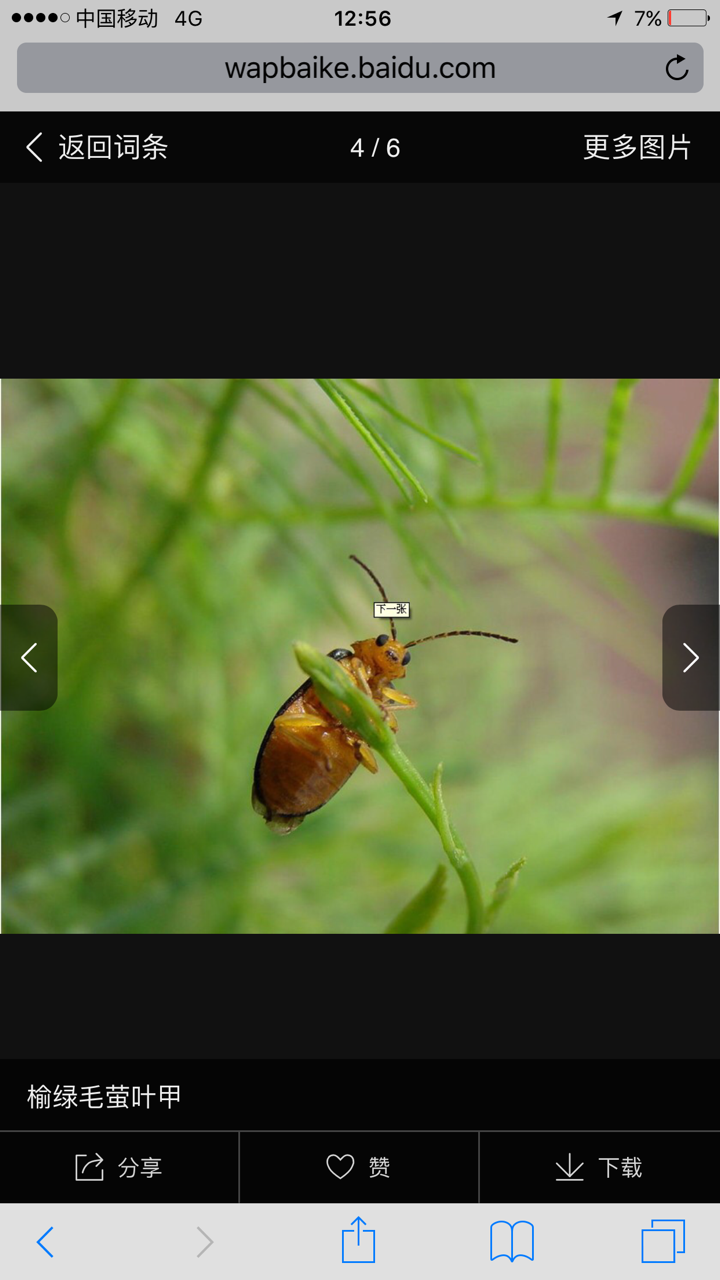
{"x": 370, "y": 18}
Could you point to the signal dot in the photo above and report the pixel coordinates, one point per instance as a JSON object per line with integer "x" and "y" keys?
{"x": 40, "y": 17}
{"x": 17, "y": 17}
{"x": 52, "y": 17}
{"x": 28, "y": 17}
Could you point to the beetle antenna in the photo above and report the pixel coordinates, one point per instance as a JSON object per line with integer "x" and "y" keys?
{"x": 492, "y": 635}
{"x": 381, "y": 589}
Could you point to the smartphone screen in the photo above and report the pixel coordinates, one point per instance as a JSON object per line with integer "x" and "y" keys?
{"x": 292, "y": 666}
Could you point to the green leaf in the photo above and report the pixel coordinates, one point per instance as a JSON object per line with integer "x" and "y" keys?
{"x": 459, "y": 859}
{"x": 420, "y": 912}
{"x": 503, "y": 889}
{"x": 485, "y": 449}
{"x": 553, "y": 437}
{"x": 384, "y": 452}
{"x": 440, "y": 506}
{"x": 698, "y": 445}
{"x": 402, "y": 417}
{"x": 613, "y": 432}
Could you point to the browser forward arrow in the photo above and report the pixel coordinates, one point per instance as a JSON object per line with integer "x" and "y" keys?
{"x": 696, "y": 657}
{"x": 209, "y": 1242}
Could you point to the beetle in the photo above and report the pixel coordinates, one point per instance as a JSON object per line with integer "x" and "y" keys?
{"x": 307, "y": 755}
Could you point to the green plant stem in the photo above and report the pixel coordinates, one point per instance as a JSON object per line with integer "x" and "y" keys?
{"x": 696, "y": 451}
{"x": 553, "y": 438}
{"x": 458, "y": 856}
{"x": 356, "y": 711}
{"x": 459, "y": 859}
{"x": 482, "y": 436}
{"x": 613, "y": 433}
{"x": 692, "y": 513}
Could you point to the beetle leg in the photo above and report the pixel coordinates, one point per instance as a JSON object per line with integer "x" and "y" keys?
{"x": 294, "y": 727}
{"x": 359, "y": 673}
{"x": 365, "y": 755}
{"x": 303, "y": 720}
{"x": 398, "y": 699}
{"x": 389, "y": 718}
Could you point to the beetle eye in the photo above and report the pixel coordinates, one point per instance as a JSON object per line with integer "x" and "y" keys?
{"x": 381, "y": 640}
{"x": 406, "y": 659}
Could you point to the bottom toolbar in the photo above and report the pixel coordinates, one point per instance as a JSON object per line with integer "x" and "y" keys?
{"x": 316, "y": 1242}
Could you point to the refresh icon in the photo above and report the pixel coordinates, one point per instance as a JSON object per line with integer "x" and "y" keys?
{"x": 679, "y": 58}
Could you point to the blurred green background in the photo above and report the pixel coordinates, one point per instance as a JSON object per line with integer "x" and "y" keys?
{"x": 186, "y": 532}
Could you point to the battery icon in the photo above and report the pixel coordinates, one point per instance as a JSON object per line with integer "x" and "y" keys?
{"x": 687, "y": 17}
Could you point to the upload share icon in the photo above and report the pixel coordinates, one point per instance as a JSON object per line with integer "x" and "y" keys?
{"x": 664, "y": 1240}
{"x": 358, "y": 1242}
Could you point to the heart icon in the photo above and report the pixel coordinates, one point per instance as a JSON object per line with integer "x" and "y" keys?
{"x": 337, "y": 1168}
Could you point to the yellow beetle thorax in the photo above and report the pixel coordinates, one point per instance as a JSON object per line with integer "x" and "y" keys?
{"x": 383, "y": 662}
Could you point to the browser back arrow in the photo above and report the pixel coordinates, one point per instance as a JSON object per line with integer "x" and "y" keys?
{"x": 42, "y": 1246}
{"x": 30, "y": 144}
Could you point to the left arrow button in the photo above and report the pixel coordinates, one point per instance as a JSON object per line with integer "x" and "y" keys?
{"x": 25, "y": 657}
{"x": 40, "y": 1242}
{"x": 28, "y": 657}
{"x": 31, "y": 144}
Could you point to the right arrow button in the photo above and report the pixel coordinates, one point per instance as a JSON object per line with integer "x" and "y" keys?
{"x": 695, "y": 657}
{"x": 690, "y": 632}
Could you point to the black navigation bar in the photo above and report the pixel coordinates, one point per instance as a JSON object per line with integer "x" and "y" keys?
{"x": 353, "y": 146}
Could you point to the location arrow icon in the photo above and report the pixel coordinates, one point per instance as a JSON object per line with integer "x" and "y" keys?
{"x": 617, "y": 16}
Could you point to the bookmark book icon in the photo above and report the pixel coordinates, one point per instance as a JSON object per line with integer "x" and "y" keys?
{"x": 512, "y": 1240}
